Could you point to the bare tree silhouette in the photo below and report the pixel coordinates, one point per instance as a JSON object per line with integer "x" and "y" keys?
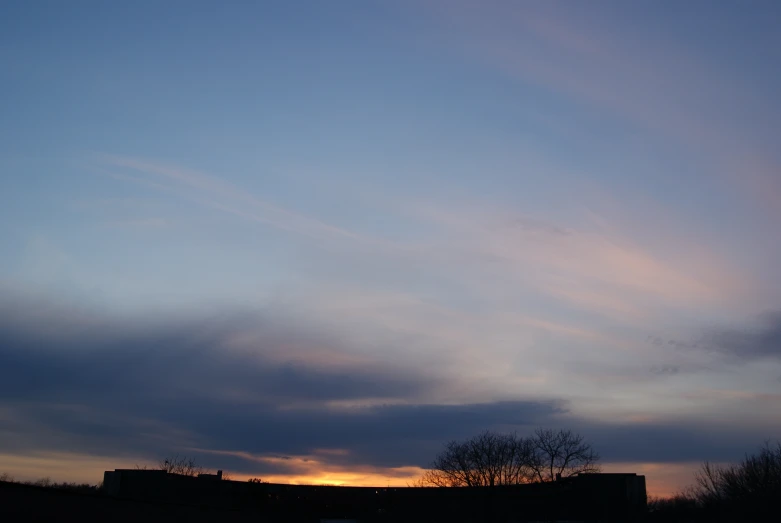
{"x": 490, "y": 459}
{"x": 180, "y": 465}
{"x": 754, "y": 482}
{"x": 560, "y": 453}
{"x": 745, "y": 491}
{"x": 487, "y": 459}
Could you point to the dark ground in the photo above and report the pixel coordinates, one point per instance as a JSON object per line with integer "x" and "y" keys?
{"x": 28, "y": 503}
{"x": 25, "y": 503}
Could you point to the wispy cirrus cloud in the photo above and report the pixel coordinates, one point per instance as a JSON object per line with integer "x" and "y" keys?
{"x": 665, "y": 88}
{"x": 220, "y": 194}
{"x": 601, "y": 270}
{"x": 490, "y": 255}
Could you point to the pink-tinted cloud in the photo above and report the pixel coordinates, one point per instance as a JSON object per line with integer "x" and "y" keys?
{"x": 596, "y": 269}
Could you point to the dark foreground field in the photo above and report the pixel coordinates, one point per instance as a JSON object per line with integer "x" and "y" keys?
{"x": 30, "y": 503}
{"x": 296, "y": 504}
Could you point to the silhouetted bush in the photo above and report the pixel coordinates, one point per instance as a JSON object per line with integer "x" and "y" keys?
{"x": 680, "y": 507}
{"x": 752, "y": 486}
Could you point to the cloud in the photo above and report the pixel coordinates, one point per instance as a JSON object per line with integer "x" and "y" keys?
{"x": 136, "y": 387}
{"x": 217, "y": 193}
{"x": 241, "y": 392}
{"x": 659, "y": 85}
{"x": 609, "y": 272}
{"x": 605, "y": 273}
{"x": 761, "y": 341}
{"x": 205, "y": 356}
{"x": 674, "y": 441}
{"x": 665, "y": 370}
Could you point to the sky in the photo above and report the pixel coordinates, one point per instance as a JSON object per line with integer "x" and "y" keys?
{"x": 314, "y": 241}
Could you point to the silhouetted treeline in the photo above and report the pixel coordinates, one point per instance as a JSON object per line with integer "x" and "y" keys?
{"x": 680, "y": 507}
{"x": 745, "y": 491}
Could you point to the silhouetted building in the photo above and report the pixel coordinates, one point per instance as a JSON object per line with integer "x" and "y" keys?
{"x": 215, "y": 477}
{"x": 584, "y": 497}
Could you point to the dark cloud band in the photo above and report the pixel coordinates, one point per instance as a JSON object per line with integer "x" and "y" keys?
{"x": 128, "y": 388}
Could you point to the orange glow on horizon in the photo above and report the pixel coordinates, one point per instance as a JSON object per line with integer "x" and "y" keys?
{"x": 314, "y": 469}
{"x": 662, "y": 479}
{"x": 398, "y": 477}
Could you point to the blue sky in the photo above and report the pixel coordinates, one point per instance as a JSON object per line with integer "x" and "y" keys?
{"x": 570, "y": 209}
